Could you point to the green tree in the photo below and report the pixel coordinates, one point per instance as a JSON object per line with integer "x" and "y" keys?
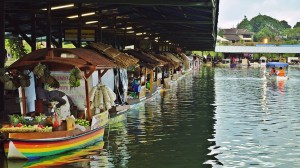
{"x": 264, "y": 33}
{"x": 285, "y": 24}
{"x": 245, "y": 24}
{"x": 261, "y": 21}
{"x": 16, "y": 47}
{"x": 297, "y": 25}
{"x": 220, "y": 32}
{"x": 294, "y": 33}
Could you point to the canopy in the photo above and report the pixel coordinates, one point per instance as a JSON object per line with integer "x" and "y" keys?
{"x": 63, "y": 59}
{"x": 121, "y": 59}
{"x": 277, "y": 64}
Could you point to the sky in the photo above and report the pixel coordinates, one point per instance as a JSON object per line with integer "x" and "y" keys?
{"x": 232, "y": 12}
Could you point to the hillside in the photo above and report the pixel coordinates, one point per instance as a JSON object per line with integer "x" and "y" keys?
{"x": 259, "y": 22}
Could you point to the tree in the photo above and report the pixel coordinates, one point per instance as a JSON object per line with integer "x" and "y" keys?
{"x": 245, "y": 24}
{"x": 264, "y": 33}
{"x": 285, "y": 24}
{"x": 294, "y": 33}
{"x": 220, "y": 32}
{"x": 297, "y": 25}
{"x": 261, "y": 21}
{"x": 16, "y": 47}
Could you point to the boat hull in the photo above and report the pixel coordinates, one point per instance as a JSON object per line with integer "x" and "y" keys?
{"x": 16, "y": 147}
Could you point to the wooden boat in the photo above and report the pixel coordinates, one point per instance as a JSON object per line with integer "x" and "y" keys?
{"x": 34, "y": 145}
{"x": 60, "y": 160}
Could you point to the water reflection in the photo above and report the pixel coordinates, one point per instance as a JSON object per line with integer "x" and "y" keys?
{"x": 256, "y": 119}
{"x": 173, "y": 129}
{"x": 218, "y": 117}
{"x": 76, "y": 158}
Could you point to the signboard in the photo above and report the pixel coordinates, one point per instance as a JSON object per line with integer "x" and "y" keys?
{"x": 99, "y": 120}
{"x": 86, "y": 35}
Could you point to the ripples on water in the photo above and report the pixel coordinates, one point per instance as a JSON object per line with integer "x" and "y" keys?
{"x": 257, "y": 119}
{"x": 215, "y": 118}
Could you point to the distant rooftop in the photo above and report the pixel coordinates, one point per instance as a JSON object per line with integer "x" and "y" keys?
{"x": 258, "y": 49}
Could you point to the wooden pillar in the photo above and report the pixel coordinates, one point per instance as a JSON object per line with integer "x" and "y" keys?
{"x": 48, "y": 39}
{"x": 98, "y": 30}
{"x": 33, "y": 34}
{"x": 2, "y": 55}
{"x": 87, "y": 97}
{"x": 79, "y": 26}
{"x": 156, "y": 71}
{"x": 60, "y": 32}
{"x": 162, "y": 75}
{"x": 151, "y": 80}
{"x": 24, "y": 106}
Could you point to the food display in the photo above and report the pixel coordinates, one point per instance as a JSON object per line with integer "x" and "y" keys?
{"x": 82, "y": 122}
{"x": 102, "y": 97}
{"x": 26, "y": 124}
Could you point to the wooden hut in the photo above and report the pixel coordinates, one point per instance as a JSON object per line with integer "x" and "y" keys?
{"x": 120, "y": 81}
{"x": 147, "y": 65}
{"x": 178, "y": 63}
{"x": 61, "y": 59}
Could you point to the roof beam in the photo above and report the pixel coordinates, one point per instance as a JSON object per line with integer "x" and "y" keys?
{"x": 204, "y": 3}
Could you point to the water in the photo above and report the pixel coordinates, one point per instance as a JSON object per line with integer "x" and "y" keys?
{"x": 215, "y": 118}
{"x": 257, "y": 120}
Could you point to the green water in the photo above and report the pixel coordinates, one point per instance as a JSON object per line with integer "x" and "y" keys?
{"x": 218, "y": 117}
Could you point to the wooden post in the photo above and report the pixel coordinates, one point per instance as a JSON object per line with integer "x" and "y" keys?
{"x": 49, "y": 26}
{"x": 87, "y": 97}
{"x": 24, "y": 101}
{"x": 151, "y": 80}
{"x": 2, "y": 56}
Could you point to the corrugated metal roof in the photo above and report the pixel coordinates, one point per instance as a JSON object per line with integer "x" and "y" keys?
{"x": 257, "y": 49}
{"x": 192, "y": 24}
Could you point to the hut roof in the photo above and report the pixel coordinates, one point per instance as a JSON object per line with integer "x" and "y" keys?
{"x": 144, "y": 59}
{"x": 169, "y": 61}
{"x": 62, "y": 58}
{"x": 161, "y": 61}
{"x": 186, "y": 60}
{"x": 173, "y": 58}
{"x": 121, "y": 59}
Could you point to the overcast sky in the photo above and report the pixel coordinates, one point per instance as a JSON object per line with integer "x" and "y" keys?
{"x": 231, "y": 12}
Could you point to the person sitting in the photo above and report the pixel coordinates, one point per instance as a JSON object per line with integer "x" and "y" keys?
{"x": 272, "y": 72}
{"x": 280, "y": 72}
{"x": 54, "y": 95}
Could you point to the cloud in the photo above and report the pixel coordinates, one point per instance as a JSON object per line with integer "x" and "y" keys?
{"x": 231, "y": 12}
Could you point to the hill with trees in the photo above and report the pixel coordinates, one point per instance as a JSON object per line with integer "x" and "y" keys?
{"x": 267, "y": 27}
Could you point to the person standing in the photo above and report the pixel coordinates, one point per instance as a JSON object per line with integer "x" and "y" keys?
{"x": 272, "y": 72}
{"x": 280, "y": 72}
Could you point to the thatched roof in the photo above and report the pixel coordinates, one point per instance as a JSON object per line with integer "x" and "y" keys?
{"x": 170, "y": 62}
{"x": 186, "y": 60}
{"x": 121, "y": 59}
{"x": 62, "y": 59}
{"x": 144, "y": 59}
{"x": 152, "y": 56}
{"x": 176, "y": 60}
